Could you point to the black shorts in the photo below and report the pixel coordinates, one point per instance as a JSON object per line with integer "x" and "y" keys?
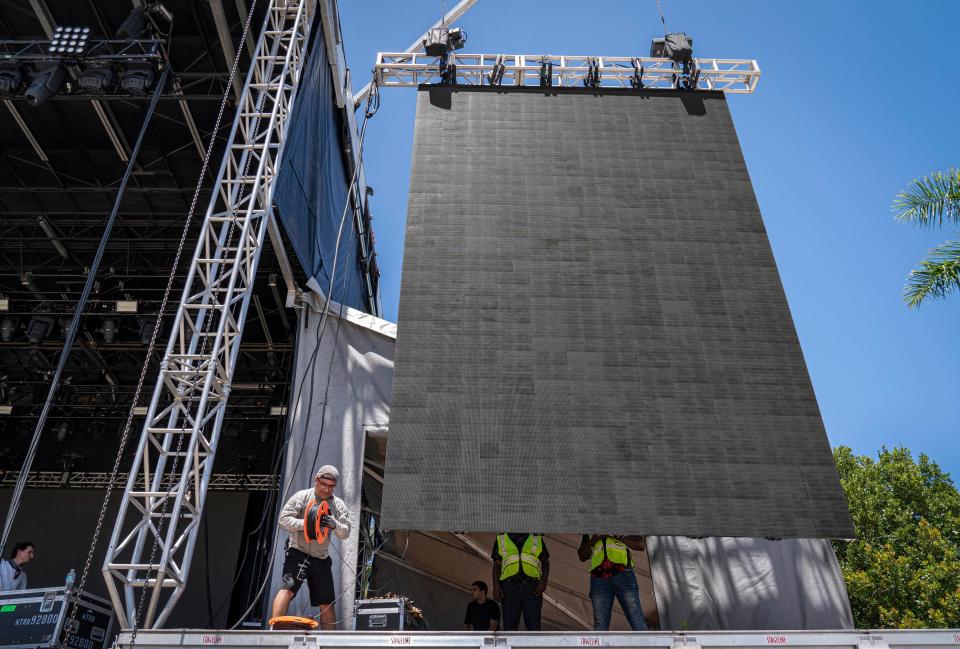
{"x": 299, "y": 567}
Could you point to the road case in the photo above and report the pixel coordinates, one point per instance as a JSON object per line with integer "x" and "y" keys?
{"x": 38, "y": 618}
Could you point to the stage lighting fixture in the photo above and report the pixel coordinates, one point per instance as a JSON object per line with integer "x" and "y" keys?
{"x": 126, "y": 306}
{"x": 6, "y": 409}
{"x": 39, "y": 327}
{"x": 137, "y": 80}
{"x": 62, "y": 431}
{"x": 435, "y": 44}
{"x": 4, "y": 304}
{"x": 676, "y": 47}
{"x": 134, "y": 25}
{"x": 456, "y": 39}
{"x": 7, "y": 328}
{"x": 440, "y": 41}
{"x": 69, "y": 41}
{"x": 140, "y": 411}
{"x": 11, "y": 82}
{"x": 109, "y": 330}
{"x": 146, "y": 328}
{"x": 46, "y": 83}
{"x": 264, "y": 433}
{"x": 97, "y": 81}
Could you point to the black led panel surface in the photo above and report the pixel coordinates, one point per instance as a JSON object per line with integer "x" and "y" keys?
{"x": 593, "y": 336}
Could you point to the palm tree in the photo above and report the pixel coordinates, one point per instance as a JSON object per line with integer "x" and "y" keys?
{"x": 926, "y": 203}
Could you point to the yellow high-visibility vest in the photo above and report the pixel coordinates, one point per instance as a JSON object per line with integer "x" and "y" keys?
{"x": 513, "y": 559}
{"x": 616, "y": 551}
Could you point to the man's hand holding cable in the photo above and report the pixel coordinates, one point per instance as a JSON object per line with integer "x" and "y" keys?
{"x": 329, "y": 521}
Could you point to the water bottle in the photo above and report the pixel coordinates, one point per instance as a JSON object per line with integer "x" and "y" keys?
{"x": 71, "y": 578}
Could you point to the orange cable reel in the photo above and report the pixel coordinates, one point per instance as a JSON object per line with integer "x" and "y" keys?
{"x": 312, "y": 515}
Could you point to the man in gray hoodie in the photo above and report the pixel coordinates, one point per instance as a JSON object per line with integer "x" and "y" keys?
{"x": 307, "y": 559}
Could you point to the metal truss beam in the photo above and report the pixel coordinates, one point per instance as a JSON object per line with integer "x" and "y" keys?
{"x": 734, "y": 76}
{"x": 97, "y": 52}
{"x": 186, "y": 412}
{"x": 101, "y": 480}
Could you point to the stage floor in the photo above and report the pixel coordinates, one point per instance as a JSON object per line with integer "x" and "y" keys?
{"x": 886, "y": 639}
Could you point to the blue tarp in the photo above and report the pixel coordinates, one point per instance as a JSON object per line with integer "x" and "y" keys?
{"x": 312, "y": 185}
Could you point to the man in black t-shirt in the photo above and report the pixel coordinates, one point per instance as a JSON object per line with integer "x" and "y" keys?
{"x": 482, "y": 614}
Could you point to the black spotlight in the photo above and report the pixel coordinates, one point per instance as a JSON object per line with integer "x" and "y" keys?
{"x": 46, "y": 84}
{"x": 456, "y": 39}
{"x": 109, "y": 330}
{"x": 135, "y": 24}
{"x": 147, "y": 325}
{"x": 7, "y": 328}
{"x": 39, "y": 328}
{"x": 137, "y": 80}
{"x": 11, "y": 82}
{"x": 97, "y": 81}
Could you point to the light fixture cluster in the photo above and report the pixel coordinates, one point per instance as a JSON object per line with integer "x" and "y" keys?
{"x": 69, "y": 40}
{"x": 74, "y": 63}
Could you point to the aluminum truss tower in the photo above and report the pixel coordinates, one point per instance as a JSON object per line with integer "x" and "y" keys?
{"x": 153, "y": 539}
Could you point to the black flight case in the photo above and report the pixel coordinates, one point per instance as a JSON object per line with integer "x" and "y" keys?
{"x": 38, "y": 619}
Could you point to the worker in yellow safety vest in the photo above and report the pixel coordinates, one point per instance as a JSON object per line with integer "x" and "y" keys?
{"x": 521, "y": 567}
{"x": 611, "y": 575}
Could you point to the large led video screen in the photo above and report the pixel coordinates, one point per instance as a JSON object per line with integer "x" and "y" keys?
{"x": 592, "y": 332}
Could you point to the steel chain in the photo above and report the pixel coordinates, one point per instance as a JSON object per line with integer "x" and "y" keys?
{"x": 662, "y": 20}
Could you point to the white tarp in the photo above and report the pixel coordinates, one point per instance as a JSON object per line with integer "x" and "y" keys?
{"x": 737, "y": 583}
{"x": 346, "y": 378}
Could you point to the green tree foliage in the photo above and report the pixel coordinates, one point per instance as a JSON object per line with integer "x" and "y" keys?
{"x": 903, "y": 570}
{"x": 927, "y": 203}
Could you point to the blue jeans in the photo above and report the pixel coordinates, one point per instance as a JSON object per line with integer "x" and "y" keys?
{"x": 624, "y": 587}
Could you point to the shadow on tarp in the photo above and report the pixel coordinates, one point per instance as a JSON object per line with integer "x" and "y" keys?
{"x": 311, "y": 188}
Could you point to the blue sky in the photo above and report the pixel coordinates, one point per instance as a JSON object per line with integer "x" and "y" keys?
{"x": 856, "y": 99}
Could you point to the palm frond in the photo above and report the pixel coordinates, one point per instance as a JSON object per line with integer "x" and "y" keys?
{"x": 937, "y": 277}
{"x": 930, "y": 200}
